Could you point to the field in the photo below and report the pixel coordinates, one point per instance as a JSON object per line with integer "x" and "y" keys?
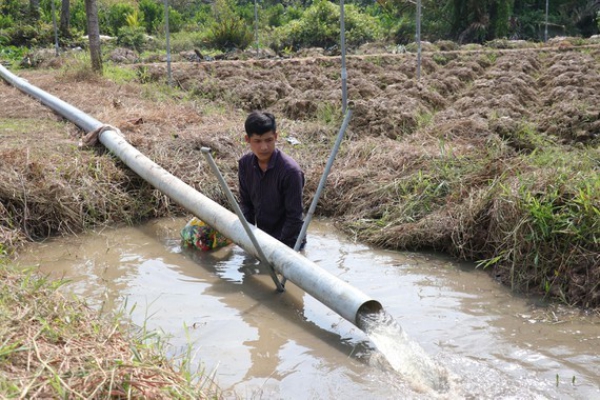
{"x": 492, "y": 156}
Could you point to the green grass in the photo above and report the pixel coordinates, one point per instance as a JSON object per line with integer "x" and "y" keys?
{"x": 25, "y": 125}
{"x": 118, "y": 74}
{"x": 329, "y": 113}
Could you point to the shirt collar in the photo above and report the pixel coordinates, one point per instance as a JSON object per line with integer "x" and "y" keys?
{"x": 272, "y": 160}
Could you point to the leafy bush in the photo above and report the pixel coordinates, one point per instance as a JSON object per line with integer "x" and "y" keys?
{"x": 320, "y": 26}
{"x": 27, "y": 35}
{"x": 12, "y": 53}
{"x": 152, "y": 14}
{"x": 175, "y": 20}
{"x": 133, "y": 19}
{"x": 132, "y": 37}
{"x": 291, "y": 13}
{"x": 246, "y": 12}
{"x": 228, "y": 30}
{"x": 6, "y": 21}
{"x": 360, "y": 28}
{"x": 396, "y": 21}
{"x": 181, "y": 41}
{"x": 15, "y": 9}
{"x": 275, "y": 15}
{"x": 20, "y": 35}
{"x": 117, "y": 16}
{"x": 203, "y": 15}
{"x": 78, "y": 18}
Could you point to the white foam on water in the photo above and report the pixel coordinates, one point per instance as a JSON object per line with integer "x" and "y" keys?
{"x": 407, "y": 357}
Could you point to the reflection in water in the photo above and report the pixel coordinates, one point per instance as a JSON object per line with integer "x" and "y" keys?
{"x": 263, "y": 344}
{"x": 254, "y": 282}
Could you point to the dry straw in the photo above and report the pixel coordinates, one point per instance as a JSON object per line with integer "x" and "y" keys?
{"x": 57, "y": 347}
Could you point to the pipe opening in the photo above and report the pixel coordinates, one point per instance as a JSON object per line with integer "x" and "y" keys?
{"x": 369, "y": 311}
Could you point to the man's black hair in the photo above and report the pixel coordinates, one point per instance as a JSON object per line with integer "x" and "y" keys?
{"x": 259, "y": 122}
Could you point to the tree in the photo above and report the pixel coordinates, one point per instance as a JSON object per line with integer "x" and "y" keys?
{"x": 65, "y": 18}
{"x": 91, "y": 10}
{"x": 584, "y": 16}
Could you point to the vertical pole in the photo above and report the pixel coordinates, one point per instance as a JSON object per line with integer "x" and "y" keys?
{"x": 418, "y": 40}
{"x": 322, "y": 182}
{"x": 55, "y": 28}
{"x": 169, "y": 79}
{"x": 256, "y": 26}
{"x": 546, "y": 26}
{"x": 343, "y": 48}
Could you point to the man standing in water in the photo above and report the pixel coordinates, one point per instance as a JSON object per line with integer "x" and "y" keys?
{"x": 270, "y": 182}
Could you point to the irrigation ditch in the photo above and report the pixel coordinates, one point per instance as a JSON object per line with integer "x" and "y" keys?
{"x": 490, "y": 156}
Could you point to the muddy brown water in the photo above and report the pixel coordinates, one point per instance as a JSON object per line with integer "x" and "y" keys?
{"x": 224, "y": 311}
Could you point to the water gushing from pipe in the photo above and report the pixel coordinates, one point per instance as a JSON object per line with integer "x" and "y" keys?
{"x": 405, "y": 356}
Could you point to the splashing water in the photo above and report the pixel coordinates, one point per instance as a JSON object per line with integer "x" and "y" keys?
{"x": 404, "y": 355}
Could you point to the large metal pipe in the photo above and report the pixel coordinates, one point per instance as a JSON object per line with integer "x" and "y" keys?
{"x": 349, "y": 302}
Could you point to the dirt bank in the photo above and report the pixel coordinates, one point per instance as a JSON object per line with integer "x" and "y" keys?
{"x": 491, "y": 156}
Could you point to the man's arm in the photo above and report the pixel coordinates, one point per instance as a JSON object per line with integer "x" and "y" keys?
{"x": 293, "y": 185}
{"x": 245, "y": 200}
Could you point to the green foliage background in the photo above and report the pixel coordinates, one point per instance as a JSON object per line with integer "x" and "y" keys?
{"x": 291, "y": 24}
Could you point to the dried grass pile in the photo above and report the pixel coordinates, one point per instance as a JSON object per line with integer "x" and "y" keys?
{"x": 55, "y": 347}
{"x": 49, "y": 186}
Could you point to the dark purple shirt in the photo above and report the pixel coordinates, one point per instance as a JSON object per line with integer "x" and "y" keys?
{"x": 272, "y": 199}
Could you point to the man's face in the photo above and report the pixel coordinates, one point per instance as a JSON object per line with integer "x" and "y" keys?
{"x": 263, "y": 145}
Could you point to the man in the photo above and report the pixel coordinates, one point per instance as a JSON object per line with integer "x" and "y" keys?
{"x": 271, "y": 182}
